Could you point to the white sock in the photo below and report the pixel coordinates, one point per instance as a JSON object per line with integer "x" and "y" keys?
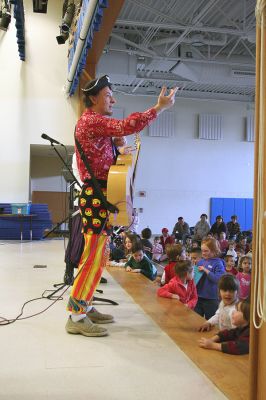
{"x": 77, "y": 317}
{"x": 89, "y": 308}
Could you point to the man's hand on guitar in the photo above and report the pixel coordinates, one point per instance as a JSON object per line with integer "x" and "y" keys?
{"x": 164, "y": 102}
{"x": 125, "y": 149}
{"x": 120, "y": 141}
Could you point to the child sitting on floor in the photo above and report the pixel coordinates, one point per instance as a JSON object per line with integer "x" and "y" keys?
{"x": 188, "y": 244}
{"x": 244, "y": 277}
{"x": 182, "y": 286}
{"x": 249, "y": 254}
{"x": 145, "y": 240}
{"x": 233, "y": 341}
{"x": 129, "y": 239}
{"x": 228, "y": 287}
{"x": 195, "y": 256}
{"x": 240, "y": 253}
{"x": 230, "y": 265}
{"x": 157, "y": 249}
{"x": 166, "y": 239}
{"x": 195, "y": 244}
{"x": 223, "y": 243}
{"x": 140, "y": 263}
{"x": 231, "y": 250}
{"x": 174, "y": 252}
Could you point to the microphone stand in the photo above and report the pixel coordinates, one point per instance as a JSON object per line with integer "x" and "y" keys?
{"x": 56, "y": 227}
{"x": 69, "y": 271}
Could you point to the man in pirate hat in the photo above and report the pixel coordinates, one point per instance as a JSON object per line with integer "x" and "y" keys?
{"x": 94, "y": 133}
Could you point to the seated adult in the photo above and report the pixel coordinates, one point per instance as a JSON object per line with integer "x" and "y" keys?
{"x": 233, "y": 228}
{"x": 202, "y": 228}
{"x": 218, "y": 227}
{"x": 181, "y": 229}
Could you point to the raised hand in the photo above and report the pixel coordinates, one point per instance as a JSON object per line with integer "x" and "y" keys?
{"x": 165, "y": 101}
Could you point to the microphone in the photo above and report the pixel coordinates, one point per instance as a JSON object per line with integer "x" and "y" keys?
{"x": 46, "y": 137}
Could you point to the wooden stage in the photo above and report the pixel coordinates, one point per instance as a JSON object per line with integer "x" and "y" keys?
{"x": 228, "y": 372}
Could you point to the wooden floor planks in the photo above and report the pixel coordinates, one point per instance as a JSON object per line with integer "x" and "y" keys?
{"x": 229, "y": 373}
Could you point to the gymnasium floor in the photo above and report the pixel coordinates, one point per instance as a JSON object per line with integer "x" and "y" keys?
{"x": 40, "y": 361}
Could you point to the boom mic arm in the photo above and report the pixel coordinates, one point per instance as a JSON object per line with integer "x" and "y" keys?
{"x": 46, "y": 137}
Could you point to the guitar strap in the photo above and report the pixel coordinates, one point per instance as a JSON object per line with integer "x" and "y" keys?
{"x": 110, "y": 207}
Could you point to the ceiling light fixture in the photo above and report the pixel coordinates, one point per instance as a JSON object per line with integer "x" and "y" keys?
{"x": 68, "y": 16}
{"x": 197, "y": 40}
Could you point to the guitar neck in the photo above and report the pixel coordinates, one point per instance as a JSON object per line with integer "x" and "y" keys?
{"x": 137, "y": 144}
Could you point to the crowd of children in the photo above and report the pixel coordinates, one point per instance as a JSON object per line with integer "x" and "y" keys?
{"x": 212, "y": 276}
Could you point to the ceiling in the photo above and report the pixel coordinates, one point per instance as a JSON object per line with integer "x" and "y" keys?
{"x": 205, "y": 47}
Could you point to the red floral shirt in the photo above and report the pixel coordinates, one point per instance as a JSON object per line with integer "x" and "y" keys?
{"x": 94, "y": 133}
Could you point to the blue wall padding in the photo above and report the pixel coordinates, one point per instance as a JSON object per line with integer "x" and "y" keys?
{"x": 226, "y": 207}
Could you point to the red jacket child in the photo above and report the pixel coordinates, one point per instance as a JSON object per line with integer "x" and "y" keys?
{"x": 174, "y": 252}
{"x": 169, "y": 271}
{"x": 182, "y": 286}
{"x": 166, "y": 239}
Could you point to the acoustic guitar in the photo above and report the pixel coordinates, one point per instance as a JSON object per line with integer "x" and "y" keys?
{"x": 120, "y": 186}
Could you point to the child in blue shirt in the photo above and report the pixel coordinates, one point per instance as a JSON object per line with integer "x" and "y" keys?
{"x": 212, "y": 268}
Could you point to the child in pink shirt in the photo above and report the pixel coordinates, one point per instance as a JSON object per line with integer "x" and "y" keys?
{"x": 157, "y": 249}
{"x": 182, "y": 286}
{"x": 244, "y": 277}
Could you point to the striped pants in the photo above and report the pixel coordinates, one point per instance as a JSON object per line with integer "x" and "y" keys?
{"x": 92, "y": 262}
